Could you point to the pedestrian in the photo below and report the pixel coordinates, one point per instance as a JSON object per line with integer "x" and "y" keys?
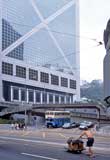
{"x": 12, "y": 126}
{"x": 90, "y": 140}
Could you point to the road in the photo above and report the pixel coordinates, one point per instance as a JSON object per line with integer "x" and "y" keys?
{"x": 45, "y": 145}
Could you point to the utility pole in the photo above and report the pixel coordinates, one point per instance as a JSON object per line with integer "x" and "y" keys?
{"x": 25, "y": 119}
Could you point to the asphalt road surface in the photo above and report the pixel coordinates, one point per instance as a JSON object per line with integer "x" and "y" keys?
{"x": 46, "y": 145}
{"x": 39, "y": 149}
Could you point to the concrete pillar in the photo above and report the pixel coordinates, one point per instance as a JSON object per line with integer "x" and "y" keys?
{"x": 70, "y": 100}
{"x": 59, "y": 99}
{"x": 41, "y": 97}
{"x": 47, "y": 98}
{"x": 19, "y": 94}
{"x": 27, "y": 95}
{"x": 29, "y": 118}
{"x": 34, "y": 96}
{"x": 73, "y": 99}
{"x": 65, "y": 99}
{"x": 11, "y": 93}
{"x": 53, "y": 99}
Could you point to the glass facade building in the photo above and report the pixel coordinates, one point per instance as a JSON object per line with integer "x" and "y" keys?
{"x": 39, "y": 50}
{"x": 9, "y": 35}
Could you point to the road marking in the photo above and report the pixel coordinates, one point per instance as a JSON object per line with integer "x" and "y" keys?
{"x": 26, "y": 144}
{"x": 43, "y": 134}
{"x": 62, "y": 135}
{"x": 26, "y": 133}
{"x": 2, "y": 141}
{"x": 101, "y": 149}
{"x": 33, "y": 141}
{"x": 38, "y": 156}
{"x": 47, "y": 142}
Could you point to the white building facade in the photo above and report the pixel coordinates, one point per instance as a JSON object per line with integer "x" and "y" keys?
{"x": 39, "y": 50}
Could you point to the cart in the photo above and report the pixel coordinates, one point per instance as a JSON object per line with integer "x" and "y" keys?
{"x": 75, "y": 146}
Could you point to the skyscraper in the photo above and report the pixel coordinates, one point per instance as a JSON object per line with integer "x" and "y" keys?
{"x": 106, "y": 64}
{"x": 39, "y": 51}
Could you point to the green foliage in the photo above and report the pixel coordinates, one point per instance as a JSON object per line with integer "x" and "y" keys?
{"x": 93, "y": 90}
{"x": 4, "y": 121}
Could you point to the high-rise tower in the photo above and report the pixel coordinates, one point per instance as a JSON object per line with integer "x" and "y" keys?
{"x": 107, "y": 61}
{"x": 39, "y": 50}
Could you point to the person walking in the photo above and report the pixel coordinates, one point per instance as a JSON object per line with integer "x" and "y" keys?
{"x": 90, "y": 140}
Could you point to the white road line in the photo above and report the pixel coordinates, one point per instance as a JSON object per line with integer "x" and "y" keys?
{"x": 33, "y": 141}
{"x": 38, "y": 156}
{"x": 2, "y": 141}
{"x": 47, "y": 142}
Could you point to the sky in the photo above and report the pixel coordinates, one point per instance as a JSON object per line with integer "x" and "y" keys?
{"x": 94, "y": 15}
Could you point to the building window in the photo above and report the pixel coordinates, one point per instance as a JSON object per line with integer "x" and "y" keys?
{"x": 31, "y": 96}
{"x": 23, "y": 95}
{"x": 15, "y": 94}
{"x": 64, "y": 82}
{"x": 38, "y": 97}
{"x": 71, "y": 99}
{"x": 20, "y": 71}
{"x": 50, "y": 98}
{"x": 44, "y": 97}
{"x": 56, "y": 99}
{"x": 44, "y": 77}
{"x": 68, "y": 99}
{"x": 54, "y": 79}
{"x": 72, "y": 84}
{"x": 7, "y": 68}
{"x": 62, "y": 99}
{"x": 33, "y": 74}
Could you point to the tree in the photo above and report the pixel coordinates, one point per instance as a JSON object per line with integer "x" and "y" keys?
{"x": 92, "y": 90}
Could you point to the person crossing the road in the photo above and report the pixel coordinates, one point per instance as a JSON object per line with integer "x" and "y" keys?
{"x": 90, "y": 140}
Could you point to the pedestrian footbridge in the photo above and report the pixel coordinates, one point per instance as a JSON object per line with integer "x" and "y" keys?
{"x": 8, "y": 108}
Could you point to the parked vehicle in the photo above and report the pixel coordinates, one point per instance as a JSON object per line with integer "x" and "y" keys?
{"x": 70, "y": 125}
{"x": 56, "y": 118}
{"x": 86, "y": 124}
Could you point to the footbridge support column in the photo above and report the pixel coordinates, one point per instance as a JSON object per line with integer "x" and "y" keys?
{"x": 29, "y": 118}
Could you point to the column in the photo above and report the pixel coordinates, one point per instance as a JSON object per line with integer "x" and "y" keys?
{"x": 19, "y": 94}
{"x": 53, "y": 99}
{"x": 34, "y": 96}
{"x": 65, "y": 99}
{"x": 47, "y": 98}
{"x": 27, "y": 95}
{"x": 11, "y": 93}
{"x": 70, "y": 99}
{"x": 41, "y": 97}
{"x": 29, "y": 120}
{"x": 59, "y": 99}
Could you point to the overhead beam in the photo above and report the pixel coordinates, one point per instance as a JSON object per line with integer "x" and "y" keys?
{"x": 36, "y": 29}
{"x": 51, "y": 34}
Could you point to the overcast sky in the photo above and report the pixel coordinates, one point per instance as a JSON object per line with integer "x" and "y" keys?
{"x": 94, "y": 15}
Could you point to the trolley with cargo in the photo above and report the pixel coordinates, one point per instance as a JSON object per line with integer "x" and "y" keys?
{"x": 75, "y": 146}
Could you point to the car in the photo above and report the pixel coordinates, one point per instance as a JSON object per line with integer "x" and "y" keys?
{"x": 86, "y": 124}
{"x": 70, "y": 125}
{"x": 74, "y": 125}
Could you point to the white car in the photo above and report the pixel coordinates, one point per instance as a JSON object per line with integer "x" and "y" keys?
{"x": 85, "y": 124}
{"x": 66, "y": 125}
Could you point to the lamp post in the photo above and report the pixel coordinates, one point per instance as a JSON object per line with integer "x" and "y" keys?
{"x": 25, "y": 119}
